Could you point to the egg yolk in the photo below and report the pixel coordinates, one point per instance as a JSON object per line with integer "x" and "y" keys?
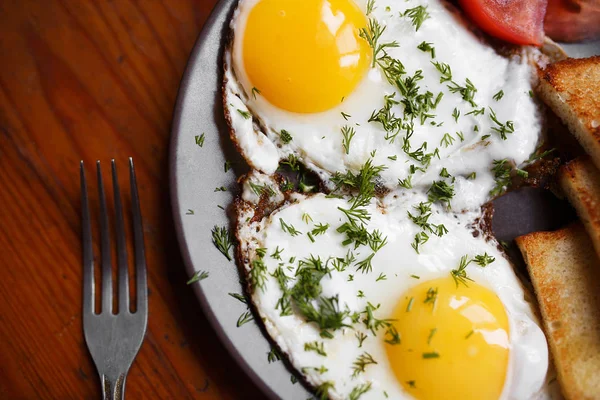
{"x": 454, "y": 341}
{"x": 305, "y": 56}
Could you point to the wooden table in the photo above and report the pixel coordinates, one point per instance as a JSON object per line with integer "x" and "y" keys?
{"x": 94, "y": 80}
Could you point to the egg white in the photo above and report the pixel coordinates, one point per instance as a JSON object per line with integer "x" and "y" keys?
{"x": 317, "y": 138}
{"x": 528, "y": 363}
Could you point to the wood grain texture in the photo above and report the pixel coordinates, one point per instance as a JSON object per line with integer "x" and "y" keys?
{"x": 94, "y": 80}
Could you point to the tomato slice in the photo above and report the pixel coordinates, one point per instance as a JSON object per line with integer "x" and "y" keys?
{"x": 515, "y": 21}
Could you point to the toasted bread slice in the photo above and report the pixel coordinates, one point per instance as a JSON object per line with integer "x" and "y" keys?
{"x": 565, "y": 272}
{"x": 572, "y": 89}
{"x": 580, "y": 180}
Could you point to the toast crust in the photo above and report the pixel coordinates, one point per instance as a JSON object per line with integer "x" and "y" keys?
{"x": 565, "y": 272}
{"x": 571, "y": 88}
{"x": 580, "y": 180}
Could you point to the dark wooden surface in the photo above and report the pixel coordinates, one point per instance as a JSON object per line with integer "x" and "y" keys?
{"x": 94, "y": 80}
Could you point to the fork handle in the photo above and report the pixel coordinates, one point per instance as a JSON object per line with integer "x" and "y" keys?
{"x": 113, "y": 386}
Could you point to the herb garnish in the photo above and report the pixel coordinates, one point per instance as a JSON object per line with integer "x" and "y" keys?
{"x": 483, "y": 260}
{"x": 273, "y": 355}
{"x": 289, "y": 228}
{"x": 244, "y": 114}
{"x": 347, "y": 133}
{"x": 285, "y": 136}
{"x": 222, "y": 240}
{"x": 244, "y": 318}
{"x": 427, "y": 47}
{"x": 361, "y": 363}
{"x": 197, "y": 277}
{"x": 372, "y": 34}
{"x": 418, "y": 15}
{"x": 359, "y": 390}
{"x": 199, "y": 139}
{"x": 460, "y": 274}
{"x": 500, "y": 128}
{"x": 317, "y": 347}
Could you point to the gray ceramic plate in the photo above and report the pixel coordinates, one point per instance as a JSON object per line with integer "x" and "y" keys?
{"x": 196, "y": 171}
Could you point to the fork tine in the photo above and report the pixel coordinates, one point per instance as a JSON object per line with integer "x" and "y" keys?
{"x": 88, "y": 252}
{"x": 138, "y": 237}
{"x": 121, "y": 247}
{"x": 104, "y": 247}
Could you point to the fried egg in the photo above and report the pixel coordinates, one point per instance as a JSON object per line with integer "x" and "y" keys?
{"x": 334, "y": 83}
{"x": 368, "y": 315}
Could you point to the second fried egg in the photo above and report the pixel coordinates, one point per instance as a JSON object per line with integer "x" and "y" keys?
{"x": 359, "y": 310}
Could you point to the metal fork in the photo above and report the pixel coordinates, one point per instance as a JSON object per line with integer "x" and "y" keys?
{"x": 113, "y": 339}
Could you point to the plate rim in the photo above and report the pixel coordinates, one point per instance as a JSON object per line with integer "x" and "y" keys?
{"x": 182, "y": 240}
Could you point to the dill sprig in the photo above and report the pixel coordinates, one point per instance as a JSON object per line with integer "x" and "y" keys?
{"x": 285, "y": 136}
{"x": 273, "y": 355}
{"x": 317, "y": 347}
{"x": 502, "y": 174}
{"x": 365, "y": 266}
{"x": 341, "y": 263}
{"x": 361, "y": 363}
{"x": 371, "y": 322}
{"x": 322, "y": 391}
{"x": 239, "y": 297}
{"x": 498, "y": 95}
{"x": 263, "y": 189}
{"x": 347, "y": 133}
{"x": 483, "y": 260}
{"x": 289, "y": 228}
{"x": 405, "y": 183}
{"x": 359, "y": 390}
{"x": 385, "y": 117}
{"x": 501, "y": 128}
{"x": 418, "y": 15}
{"x": 370, "y": 6}
{"x": 537, "y": 155}
{"x": 460, "y": 274}
{"x": 410, "y": 304}
{"x": 327, "y": 316}
{"x": 427, "y": 47}
{"x": 257, "y": 274}
{"x": 440, "y": 191}
{"x": 320, "y": 229}
{"x": 394, "y": 336}
{"x": 444, "y": 69}
{"x": 361, "y": 338}
{"x": 476, "y": 112}
{"x": 197, "y": 277}
{"x": 447, "y": 140}
{"x": 467, "y": 92}
{"x": 277, "y": 253}
{"x": 284, "y": 302}
{"x": 199, "y": 139}
{"x": 255, "y": 91}
{"x": 431, "y": 297}
{"x": 420, "y": 239}
{"x": 455, "y": 114}
{"x": 372, "y": 34}
{"x": 222, "y": 240}
{"x": 244, "y": 114}
{"x": 244, "y": 318}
